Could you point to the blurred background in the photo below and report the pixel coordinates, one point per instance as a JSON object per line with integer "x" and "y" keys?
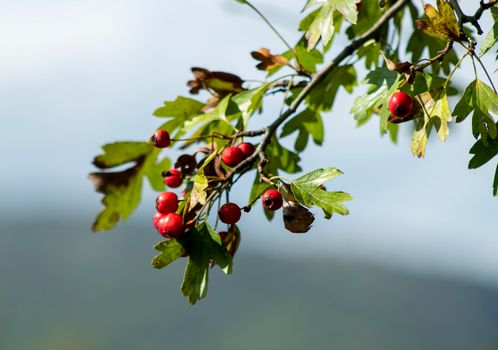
{"x": 413, "y": 267}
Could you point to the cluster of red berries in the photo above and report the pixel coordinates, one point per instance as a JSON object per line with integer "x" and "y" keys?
{"x": 170, "y": 224}
{"x": 234, "y": 155}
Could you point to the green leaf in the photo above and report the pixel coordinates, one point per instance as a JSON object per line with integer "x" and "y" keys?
{"x": 492, "y": 36}
{"x": 250, "y": 101}
{"x": 308, "y": 59}
{"x": 122, "y": 189}
{"x": 482, "y": 100}
{"x": 308, "y": 124}
{"x": 154, "y": 175}
{"x": 170, "y": 251}
{"x": 483, "y": 153}
{"x": 384, "y": 110}
{"x": 363, "y": 105}
{"x": 308, "y": 190}
{"x": 204, "y": 245}
{"x": 281, "y": 158}
{"x": 224, "y": 112}
{"x": 180, "y": 111}
{"x": 118, "y": 153}
{"x": 323, "y": 23}
{"x": 322, "y": 97}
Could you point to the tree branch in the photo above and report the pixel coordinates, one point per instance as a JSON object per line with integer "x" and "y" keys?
{"x": 474, "y": 20}
{"x": 318, "y": 77}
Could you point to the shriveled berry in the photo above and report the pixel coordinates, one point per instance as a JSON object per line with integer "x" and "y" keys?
{"x": 232, "y": 156}
{"x": 172, "y": 178}
{"x": 167, "y": 202}
{"x": 272, "y": 199}
{"x": 161, "y": 139}
{"x": 229, "y": 213}
{"x": 171, "y": 226}
{"x": 247, "y": 149}
{"x": 400, "y": 104}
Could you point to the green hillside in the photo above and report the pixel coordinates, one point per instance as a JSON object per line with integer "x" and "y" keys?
{"x": 64, "y": 288}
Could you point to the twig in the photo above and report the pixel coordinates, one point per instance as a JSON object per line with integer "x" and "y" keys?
{"x": 474, "y": 20}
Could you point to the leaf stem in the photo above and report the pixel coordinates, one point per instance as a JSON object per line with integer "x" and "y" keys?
{"x": 263, "y": 17}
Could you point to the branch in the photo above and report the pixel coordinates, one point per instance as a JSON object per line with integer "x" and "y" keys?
{"x": 318, "y": 77}
{"x": 474, "y": 20}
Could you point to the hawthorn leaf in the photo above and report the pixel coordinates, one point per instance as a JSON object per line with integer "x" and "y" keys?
{"x": 122, "y": 189}
{"x": 224, "y": 112}
{"x": 482, "y": 153}
{"x": 323, "y": 23}
{"x": 249, "y": 102}
{"x": 154, "y": 175}
{"x": 170, "y": 250}
{"x": 442, "y": 112}
{"x": 362, "y": 106}
{"x": 322, "y": 97}
{"x": 308, "y": 190}
{"x": 308, "y": 59}
{"x": 482, "y": 100}
{"x": 441, "y": 24}
{"x": 180, "y": 111}
{"x": 268, "y": 61}
{"x": 198, "y": 194}
{"x": 308, "y": 124}
{"x": 204, "y": 246}
{"x": 119, "y": 153}
{"x": 492, "y": 36}
{"x": 281, "y": 158}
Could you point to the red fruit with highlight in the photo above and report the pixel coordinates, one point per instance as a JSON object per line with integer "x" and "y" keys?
{"x": 232, "y": 156}
{"x": 155, "y": 219}
{"x": 167, "y": 202}
{"x": 247, "y": 149}
{"x": 171, "y": 226}
{"x": 172, "y": 178}
{"x": 400, "y": 104}
{"x": 229, "y": 213}
{"x": 272, "y": 200}
{"x": 161, "y": 139}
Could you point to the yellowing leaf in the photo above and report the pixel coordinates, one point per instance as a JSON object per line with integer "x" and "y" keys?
{"x": 442, "y": 24}
{"x": 442, "y": 111}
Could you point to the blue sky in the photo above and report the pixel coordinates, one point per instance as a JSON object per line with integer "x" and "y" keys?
{"x": 77, "y": 74}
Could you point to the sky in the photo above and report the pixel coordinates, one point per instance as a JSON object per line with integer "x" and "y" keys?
{"x": 77, "y": 74}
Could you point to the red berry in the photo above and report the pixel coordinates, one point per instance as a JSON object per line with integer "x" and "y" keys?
{"x": 170, "y": 226}
{"x": 172, "y": 178}
{"x": 272, "y": 200}
{"x": 400, "y": 104}
{"x": 232, "y": 156}
{"x": 156, "y": 218}
{"x": 167, "y": 202}
{"x": 161, "y": 139}
{"x": 229, "y": 213}
{"x": 247, "y": 149}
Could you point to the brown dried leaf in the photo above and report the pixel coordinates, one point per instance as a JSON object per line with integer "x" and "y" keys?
{"x": 221, "y": 83}
{"x": 268, "y": 61}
